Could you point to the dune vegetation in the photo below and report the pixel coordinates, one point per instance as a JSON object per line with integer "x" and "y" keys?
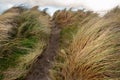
{"x": 89, "y": 45}
{"x": 93, "y": 53}
{"x": 23, "y": 40}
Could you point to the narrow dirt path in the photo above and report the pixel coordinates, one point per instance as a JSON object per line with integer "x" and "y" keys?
{"x": 40, "y": 69}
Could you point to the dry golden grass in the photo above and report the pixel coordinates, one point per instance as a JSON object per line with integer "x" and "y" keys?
{"x": 69, "y": 22}
{"x": 94, "y": 53}
{"x": 15, "y": 10}
{"x": 7, "y": 23}
{"x": 67, "y": 17}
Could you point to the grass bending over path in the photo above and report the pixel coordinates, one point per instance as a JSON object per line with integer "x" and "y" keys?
{"x": 27, "y": 35}
{"x": 94, "y": 53}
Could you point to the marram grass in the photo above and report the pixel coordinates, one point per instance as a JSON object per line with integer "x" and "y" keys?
{"x": 94, "y": 53}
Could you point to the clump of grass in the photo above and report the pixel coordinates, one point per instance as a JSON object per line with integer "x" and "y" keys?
{"x": 67, "y": 17}
{"x": 24, "y": 33}
{"x": 26, "y": 36}
{"x": 94, "y": 53}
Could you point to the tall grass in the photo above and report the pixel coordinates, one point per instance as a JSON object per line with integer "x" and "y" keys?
{"x": 94, "y": 53}
{"x": 69, "y": 22}
{"x": 7, "y": 23}
{"x": 28, "y": 33}
{"x": 67, "y": 17}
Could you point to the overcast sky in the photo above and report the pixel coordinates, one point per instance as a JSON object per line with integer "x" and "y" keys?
{"x": 53, "y": 5}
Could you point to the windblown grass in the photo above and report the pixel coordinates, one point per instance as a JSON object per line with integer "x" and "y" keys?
{"x": 7, "y": 23}
{"x": 94, "y": 53}
{"x": 69, "y": 22}
{"x": 68, "y": 17}
{"x": 29, "y": 35}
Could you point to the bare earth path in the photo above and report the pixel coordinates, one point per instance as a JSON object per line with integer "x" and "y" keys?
{"x": 40, "y": 69}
